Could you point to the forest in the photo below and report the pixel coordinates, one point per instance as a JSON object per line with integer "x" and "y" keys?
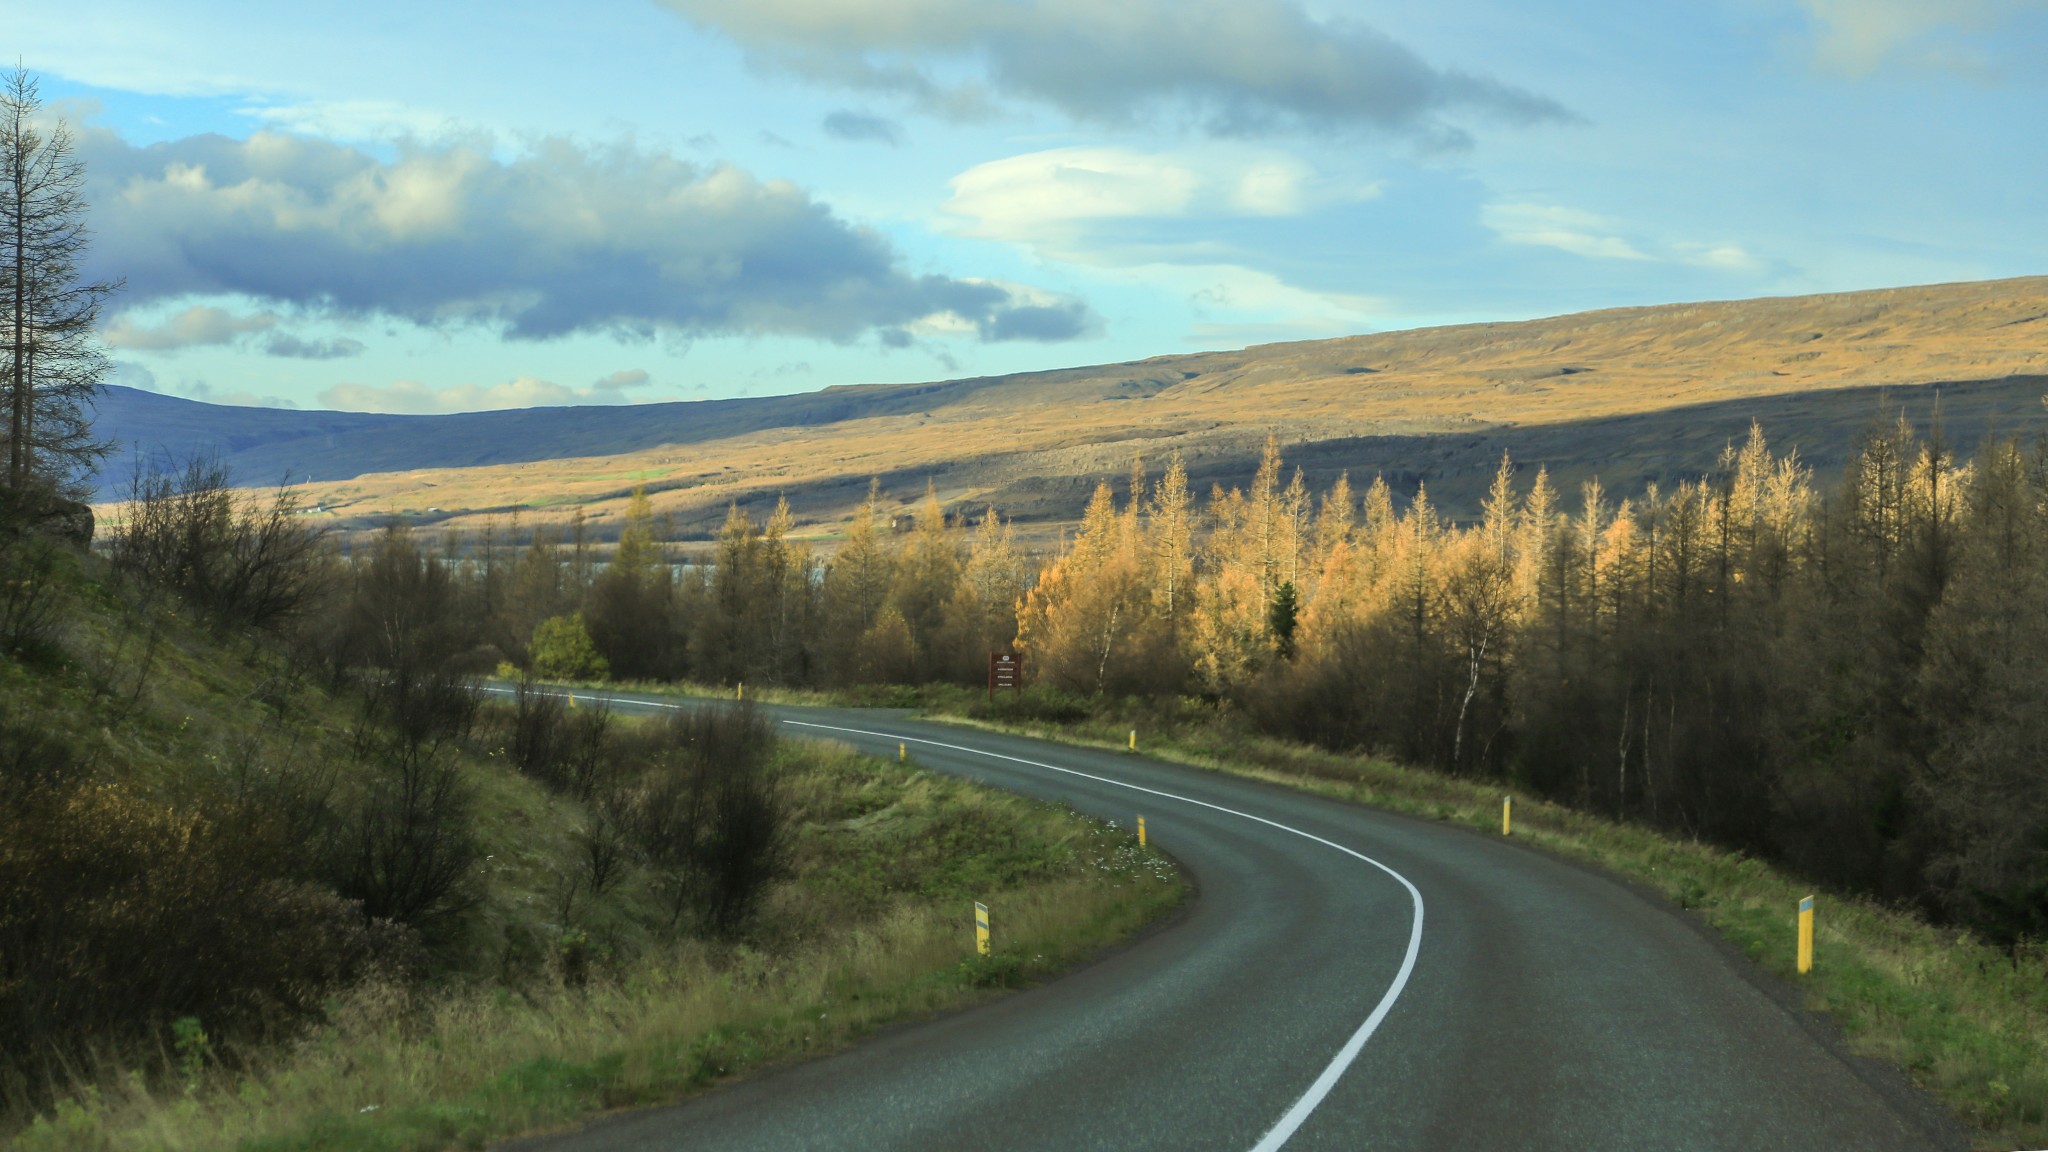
{"x": 1847, "y": 674}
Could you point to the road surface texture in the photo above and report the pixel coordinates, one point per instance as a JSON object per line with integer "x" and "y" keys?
{"x": 1345, "y": 979}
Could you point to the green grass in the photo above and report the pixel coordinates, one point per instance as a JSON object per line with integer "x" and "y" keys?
{"x": 873, "y": 927}
{"x": 1967, "y": 1021}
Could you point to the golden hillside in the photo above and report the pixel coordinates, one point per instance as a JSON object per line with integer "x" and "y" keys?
{"x": 1632, "y": 393}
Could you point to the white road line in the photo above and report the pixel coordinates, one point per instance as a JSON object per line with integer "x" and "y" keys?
{"x": 1278, "y": 1135}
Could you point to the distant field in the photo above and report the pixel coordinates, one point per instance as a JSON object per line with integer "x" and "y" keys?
{"x": 1635, "y": 395}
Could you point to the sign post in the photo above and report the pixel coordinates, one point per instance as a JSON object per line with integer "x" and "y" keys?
{"x": 980, "y": 928}
{"x": 1005, "y": 670}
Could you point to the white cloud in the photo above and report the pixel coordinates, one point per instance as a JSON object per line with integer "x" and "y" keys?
{"x": 1148, "y": 220}
{"x": 196, "y": 327}
{"x": 129, "y": 374}
{"x": 1231, "y": 304}
{"x": 1856, "y": 37}
{"x": 1597, "y": 237}
{"x": 1067, "y": 202}
{"x": 1233, "y": 289}
{"x": 411, "y": 397}
{"x": 355, "y": 120}
{"x": 1728, "y": 257}
{"x": 1567, "y": 229}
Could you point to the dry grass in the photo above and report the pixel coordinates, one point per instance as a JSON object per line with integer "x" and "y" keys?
{"x": 1014, "y": 439}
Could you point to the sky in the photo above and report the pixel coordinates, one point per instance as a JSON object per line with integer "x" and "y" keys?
{"x": 406, "y": 207}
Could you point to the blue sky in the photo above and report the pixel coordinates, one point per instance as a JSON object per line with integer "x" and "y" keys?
{"x": 440, "y": 207}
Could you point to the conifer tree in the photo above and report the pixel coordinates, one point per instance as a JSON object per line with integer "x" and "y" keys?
{"x": 54, "y": 364}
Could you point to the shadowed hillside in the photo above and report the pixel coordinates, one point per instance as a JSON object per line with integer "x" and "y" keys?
{"x": 1635, "y": 394}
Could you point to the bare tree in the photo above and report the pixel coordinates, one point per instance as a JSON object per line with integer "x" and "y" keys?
{"x": 54, "y": 364}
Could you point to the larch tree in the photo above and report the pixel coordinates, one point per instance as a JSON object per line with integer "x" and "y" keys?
{"x": 981, "y": 613}
{"x": 1172, "y": 547}
{"x": 54, "y": 364}
{"x": 927, "y": 572}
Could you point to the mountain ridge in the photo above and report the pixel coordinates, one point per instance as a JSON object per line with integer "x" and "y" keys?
{"x": 1638, "y": 383}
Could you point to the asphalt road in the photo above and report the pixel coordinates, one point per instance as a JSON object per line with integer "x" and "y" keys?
{"x": 1346, "y": 979}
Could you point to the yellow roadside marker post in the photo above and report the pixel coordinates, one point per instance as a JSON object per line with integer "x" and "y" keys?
{"x": 1507, "y": 815}
{"x": 742, "y": 693}
{"x": 1141, "y": 831}
{"x": 1806, "y": 935}
{"x": 902, "y": 753}
{"x": 572, "y": 699}
{"x": 980, "y": 928}
{"x": 1134, "y": 739}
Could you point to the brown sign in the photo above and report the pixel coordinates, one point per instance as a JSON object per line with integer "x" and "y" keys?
{"x": 1005, "y": 670}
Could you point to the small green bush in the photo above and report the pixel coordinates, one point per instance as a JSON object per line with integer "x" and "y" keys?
{"x": 562, "y": 650}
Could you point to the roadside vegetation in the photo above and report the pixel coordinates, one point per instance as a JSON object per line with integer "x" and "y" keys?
{"x": 273, "y": 876}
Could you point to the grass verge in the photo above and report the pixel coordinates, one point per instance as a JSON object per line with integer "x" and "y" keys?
{"x": 873, "y": 927}
{"x": 1967, "y": 1021}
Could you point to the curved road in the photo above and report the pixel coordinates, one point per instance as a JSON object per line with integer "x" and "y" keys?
{"x": 1346, "y": 979}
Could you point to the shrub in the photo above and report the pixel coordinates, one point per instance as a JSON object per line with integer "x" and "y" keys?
{"x": 1041, "y": 703}
{"x": 407, "y": 850}
{"x": 565, "y": 750}
{"x": 32, "y": 594}
{"x": 120, "y": 914}
{"x": 562, "y": 650}
{"x": 244, "y": 562}
{"x": 709, "y": 816}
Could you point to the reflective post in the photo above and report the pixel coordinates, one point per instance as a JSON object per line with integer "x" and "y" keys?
{"x": 1806, "y": 935}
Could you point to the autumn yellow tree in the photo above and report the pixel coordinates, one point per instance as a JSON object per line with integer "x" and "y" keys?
{"x": 980, "y": 615}
{"x": 1088, "y": 625}
{"x": 927, "y": 573}
{"x": 856, "y": 590}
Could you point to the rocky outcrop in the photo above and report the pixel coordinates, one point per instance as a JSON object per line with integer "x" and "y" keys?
{"x": 46, "y": 515}
{"x": 67, "y": 520}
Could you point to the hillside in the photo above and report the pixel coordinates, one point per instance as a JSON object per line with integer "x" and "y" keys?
{"x": 1635, "y": 394}
{"x": 261, "y": 888}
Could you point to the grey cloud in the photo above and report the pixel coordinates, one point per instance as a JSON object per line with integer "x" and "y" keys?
{"x": 620, "y": 381}
{"x": 1236, "y": 67}
{"x": 1042, "y": 322}
{"x": 565, "y": 239}
{"x": 860, "y": 127}
{"x": 291, "y": 347}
